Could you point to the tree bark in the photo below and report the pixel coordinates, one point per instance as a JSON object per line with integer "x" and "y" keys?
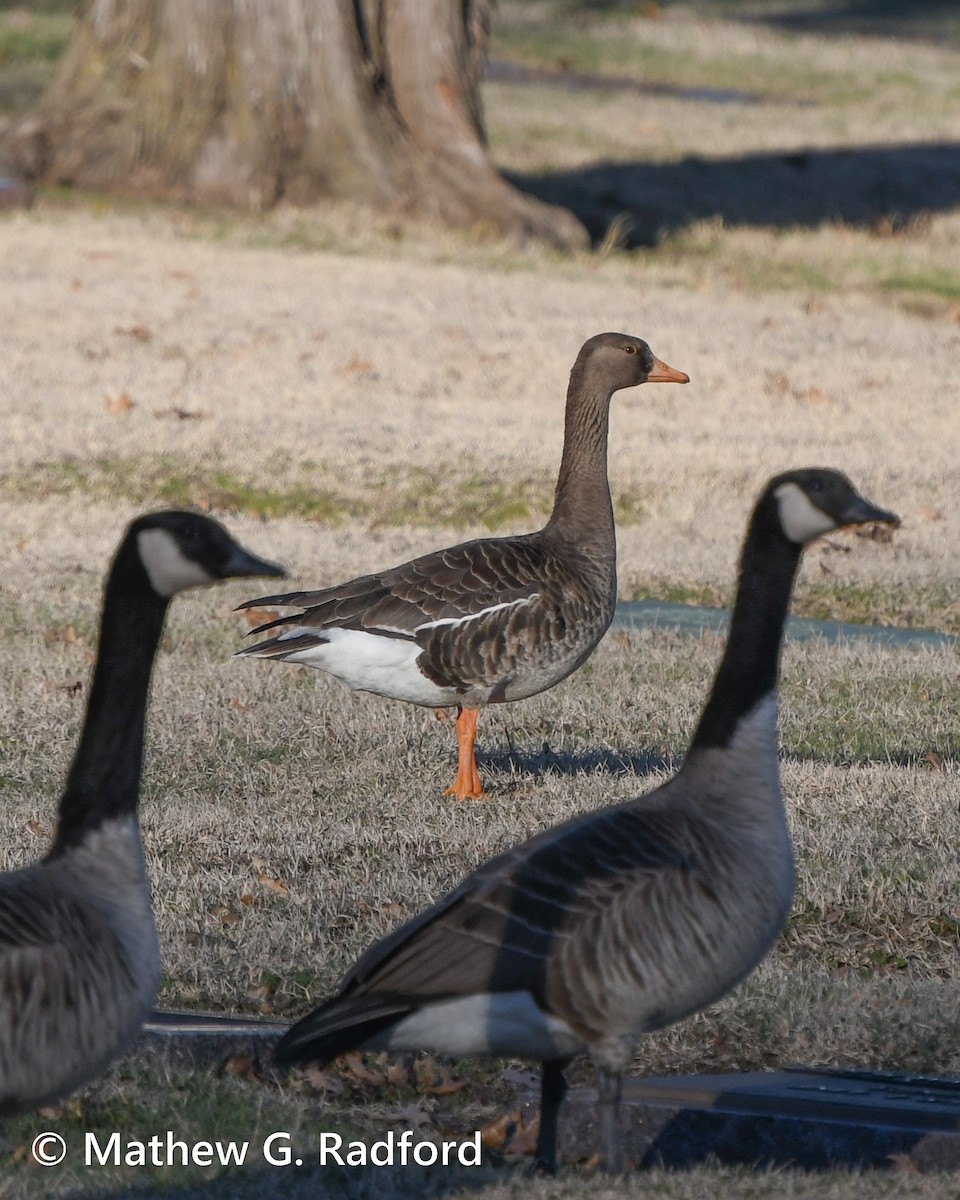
{"x": 247, "y": 102}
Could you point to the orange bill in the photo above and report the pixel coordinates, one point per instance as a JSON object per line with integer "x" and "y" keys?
{"x": 661, "y": 373}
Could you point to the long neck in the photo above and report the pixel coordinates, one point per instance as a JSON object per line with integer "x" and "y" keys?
{"x": 751, "y": 661}
{"x": 104, "y": 780}
{"x": 582, "y": 509}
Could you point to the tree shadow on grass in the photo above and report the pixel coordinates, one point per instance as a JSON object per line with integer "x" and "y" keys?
{"x": 515, "y": 765}
{"x": 926, "y": 20}
{"x": 874, "y": 187}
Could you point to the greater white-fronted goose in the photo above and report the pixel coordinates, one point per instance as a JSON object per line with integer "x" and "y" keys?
{"x": 623, "y": 920}
{"x": 493, "y": 620}
{"x": 79, "y": 960}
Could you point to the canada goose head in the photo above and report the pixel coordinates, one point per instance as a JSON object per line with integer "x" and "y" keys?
{"x": 181, "y": 550}
{"x": 624, "y": 361}
{"x": 817, "y": 500}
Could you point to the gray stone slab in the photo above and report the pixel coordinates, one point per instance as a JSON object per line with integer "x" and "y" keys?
{"x": 688, "y": 618}
{"x": 807, "y": 1118}
{"x": 810, "y": 1119}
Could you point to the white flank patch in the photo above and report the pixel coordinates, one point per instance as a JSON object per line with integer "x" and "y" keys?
{"x": 485, "y": 612}
{"x": 502, "y": 1023}
{"x": 369, "y": 662}
{"x": 168, "y": 568}
{"x": 802, "y": 521}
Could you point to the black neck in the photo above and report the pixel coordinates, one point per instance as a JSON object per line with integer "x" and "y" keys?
{"x": 104, "y": 780}
{"x": 751, "y": 661}
{"x": 582, "y": 507}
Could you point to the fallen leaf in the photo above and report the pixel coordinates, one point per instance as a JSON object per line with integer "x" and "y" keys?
{"x": 356, "y": 366}
{"x": 354, "y": 1067}
{"x": 273, "y": 885}
{"x": 933, "y": 760}
{"x": 397, "y": 1073}
{"x": 260, "y": 996}
{"x": 117, "y": 405}
{"x": 322, "y": 1081}
{"x": 260, "y": 616}
{"x": 238, "y": 704}
{"x": 496, "y": 1133}
{"x": 246, "y": 899}
{"x": 242, "y": 1066}
{"x": 226, "y": 916}
{"x": 39, "y": 829}
{"x": 65, "y": 633}
{"x": 139, "y": 333}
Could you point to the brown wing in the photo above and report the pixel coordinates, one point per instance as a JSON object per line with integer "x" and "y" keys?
{"x": 447, "y": 584}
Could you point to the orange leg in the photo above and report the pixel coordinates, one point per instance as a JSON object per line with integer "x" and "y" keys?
{"x": 468, "y": 785}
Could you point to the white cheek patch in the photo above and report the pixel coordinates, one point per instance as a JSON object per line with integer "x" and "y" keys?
{"x": 168, "y": 568}
{"x": 802, "y": 521}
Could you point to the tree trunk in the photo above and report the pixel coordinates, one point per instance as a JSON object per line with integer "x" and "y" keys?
{"x": 247, "y": 102}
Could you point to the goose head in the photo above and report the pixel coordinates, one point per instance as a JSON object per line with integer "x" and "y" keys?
{"x": 816, "y": 500}
{"x": 181, "y": 550}
{"x": 624, "y": 361}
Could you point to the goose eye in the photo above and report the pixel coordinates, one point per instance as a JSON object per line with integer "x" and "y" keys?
{"x": 630, "y": 349}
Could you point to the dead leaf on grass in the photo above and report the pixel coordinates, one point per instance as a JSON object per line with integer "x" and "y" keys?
{"x": 260, "y": 616}
{"x": 139, "y": 333}
{"x": 514, "y": 1134}
{"x": 39, "y": 828}
{"x": 322, "y": 1081}
{"x": 65, "y": 633}
{"x": 353, "y": 1067}
{"x": 118, "y": 405}
{"x": 241, "y": 1066}
{"x": 432, "y": 1080}
{"x": 397, "y": 1073}
{"x": 272, "y": 885}
{"x": 356, "y": 366}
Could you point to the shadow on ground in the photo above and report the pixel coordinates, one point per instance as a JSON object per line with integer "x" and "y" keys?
{"x": 925, "y": 20}
{"x": 884, "y": 188}
{"x": 522, "y": 766}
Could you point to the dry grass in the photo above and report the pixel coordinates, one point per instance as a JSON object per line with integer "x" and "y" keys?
{"x": 351, "y": 394}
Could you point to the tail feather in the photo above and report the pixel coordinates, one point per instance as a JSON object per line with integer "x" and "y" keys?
{"x": 287, "y": 600}
{"x": 337, "y": 1028}
{"x": 281, "y": 647}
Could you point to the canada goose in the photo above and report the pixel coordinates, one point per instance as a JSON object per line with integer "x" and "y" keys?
{"x": 79, "y": 959}
{"x": 491, "y": 620}
{"x": 623, "y": 920}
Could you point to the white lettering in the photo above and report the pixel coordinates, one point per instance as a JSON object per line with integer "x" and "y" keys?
{"x": 231, "y": 1152}
{"x": 335, "y": 1142}
{"x": 111, "y": 1150}
{"x": 425, "y": 1153}
{"x": 202, "y": 1154}
{"x": 386, "y": 1148}
{"x": 283, "y": 1155}
{"x": 464, "y": 1149}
